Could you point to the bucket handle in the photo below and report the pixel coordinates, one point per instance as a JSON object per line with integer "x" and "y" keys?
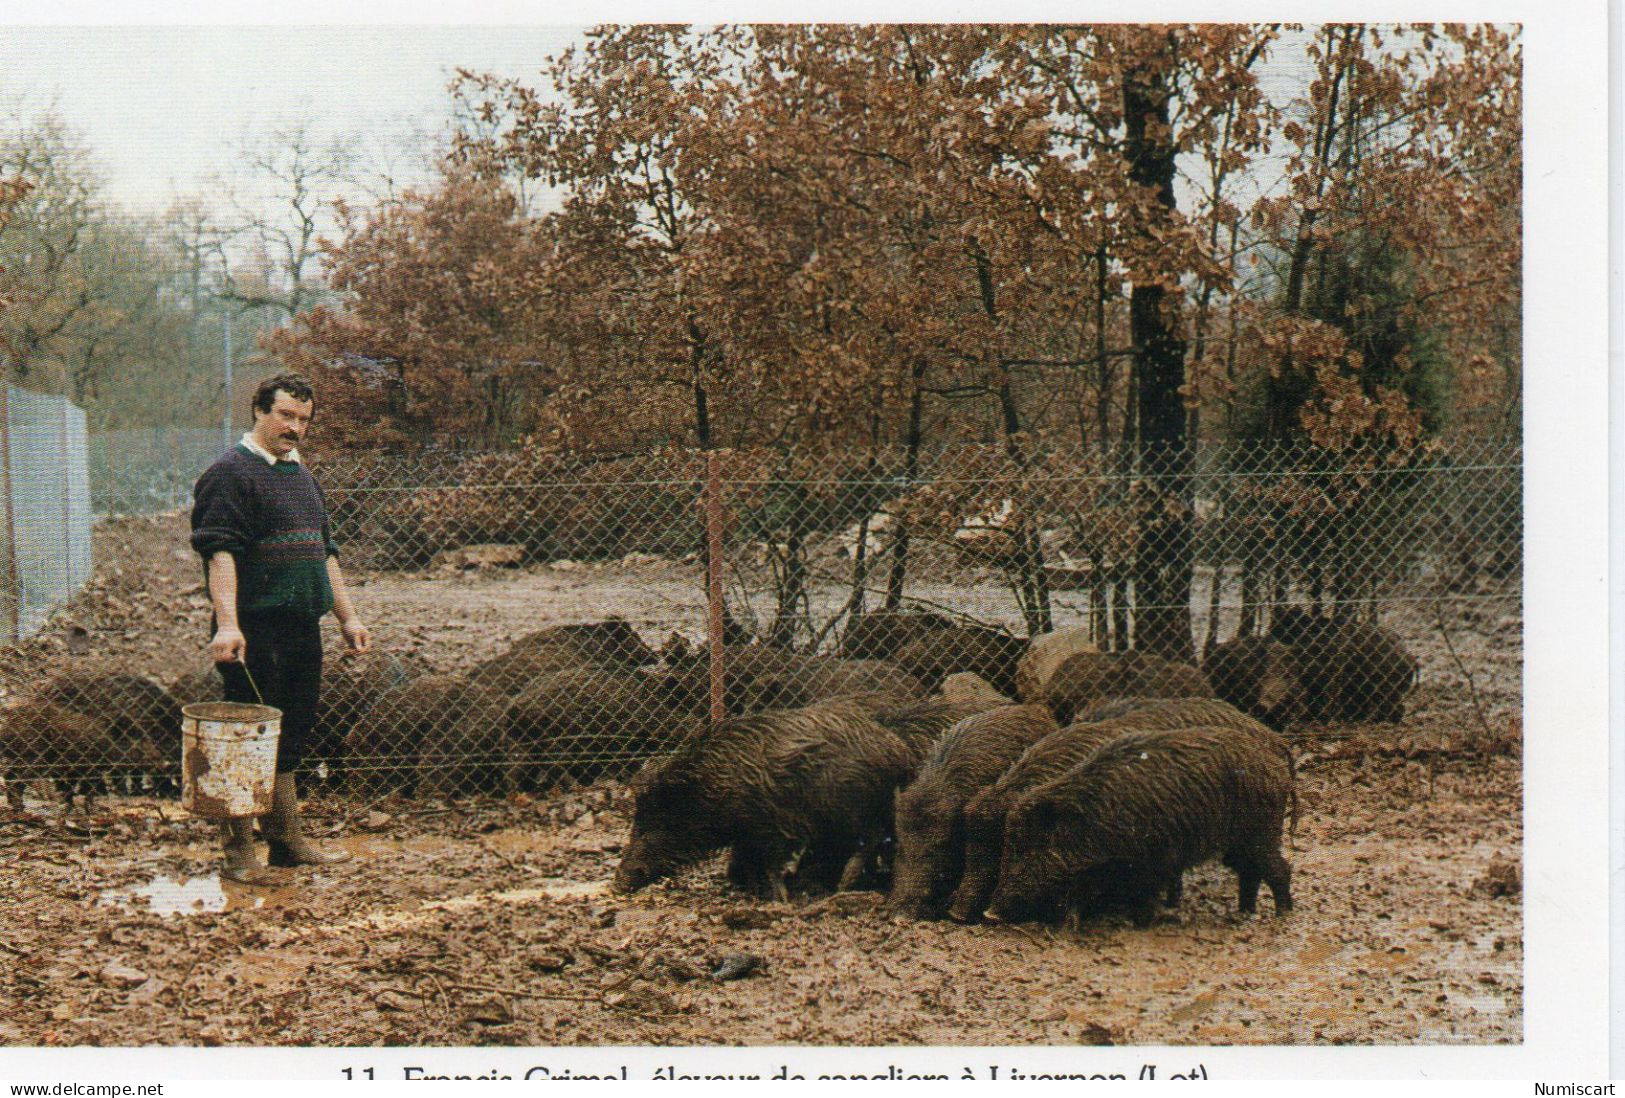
{"x": 252, "y": 683}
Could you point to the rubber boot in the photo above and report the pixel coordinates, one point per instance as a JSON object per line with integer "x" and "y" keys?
{"x": 242, "y": 865}
{"x": 285, "y": 834}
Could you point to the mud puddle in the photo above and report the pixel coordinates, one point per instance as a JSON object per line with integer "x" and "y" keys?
{"x": 424, "y": 913}
{"x": 204, "y": 895}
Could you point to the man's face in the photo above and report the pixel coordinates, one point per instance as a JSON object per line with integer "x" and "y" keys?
{"x": 283, "y": 428}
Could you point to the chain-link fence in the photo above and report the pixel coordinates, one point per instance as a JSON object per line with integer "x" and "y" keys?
{"x": 541, "y": 621}
{"x": 142, "y": 470}
{"x": 57, "y": 477}
{"x": 46, "y": 535}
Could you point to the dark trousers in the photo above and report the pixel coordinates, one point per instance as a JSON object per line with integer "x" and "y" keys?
{"x": 285, "y": 659}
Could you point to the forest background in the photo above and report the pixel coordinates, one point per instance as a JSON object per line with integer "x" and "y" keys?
{"x": 1012, "y": 229}
{"x": 839, "y": 247}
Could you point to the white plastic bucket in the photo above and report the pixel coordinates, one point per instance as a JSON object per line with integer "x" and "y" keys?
{"x": 228, "y": 758}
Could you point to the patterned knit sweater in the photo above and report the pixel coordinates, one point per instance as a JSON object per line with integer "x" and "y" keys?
{"x": 273, "y": 520}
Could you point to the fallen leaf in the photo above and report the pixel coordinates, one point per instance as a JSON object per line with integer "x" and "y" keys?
{"x": 683, "y": 971}
{"x": 390, "y": 999}
{"x": 117, "y": 974}
{"x": 1500, "y": 878}
{"x": 1093, "y": 1033}
{"x": 546, "y": 960}
{"x": 491, "y": 1012}
{"x": 642, "y": 1000}
{"x": 747, "y": 918}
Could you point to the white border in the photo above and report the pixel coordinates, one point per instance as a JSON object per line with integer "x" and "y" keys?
{"x": 1567, "y": 401}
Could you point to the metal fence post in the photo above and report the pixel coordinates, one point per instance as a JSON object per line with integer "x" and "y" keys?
{"x": 14, "y": 619}
{"x": 63, "y": 469}
{"x": 713, "y": 540}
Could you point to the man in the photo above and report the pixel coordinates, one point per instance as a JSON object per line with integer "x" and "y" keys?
{"x": 260, "y": 523}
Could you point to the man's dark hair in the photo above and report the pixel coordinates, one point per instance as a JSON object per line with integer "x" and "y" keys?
{"x": 295, "y": 385}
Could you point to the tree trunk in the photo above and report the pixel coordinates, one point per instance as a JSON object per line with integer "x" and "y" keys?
{"x": 792, "y": 592}
{"x": 1162, "y": 567}
{"x": 1097, "y": 599}
{"x": 1283, "y": 390}
{"x": 1031, "y": 581}
{"x": 911, "y": 468}
{"x": 860, "y": 570}
{"x": 1119, "y": 616}
{"x": 1103, "y": 372}
{"x": 702, "y": 415}
{"x": 732, "y": 631}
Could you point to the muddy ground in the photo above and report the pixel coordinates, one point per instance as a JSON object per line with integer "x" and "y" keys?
{"x": 493, "y": 925}
{"x": 468, "y": 923}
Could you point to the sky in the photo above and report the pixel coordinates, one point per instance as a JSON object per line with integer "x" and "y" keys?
{"x": 163, "y": 107}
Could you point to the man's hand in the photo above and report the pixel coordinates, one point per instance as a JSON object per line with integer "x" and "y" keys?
{"x": 228, "y": 645}
{"x": 356, "y": 637}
